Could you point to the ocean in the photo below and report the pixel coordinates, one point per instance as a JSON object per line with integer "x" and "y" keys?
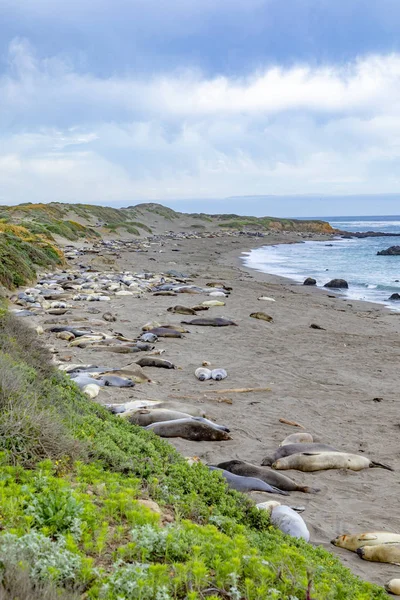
{"x": 372, "y": 278}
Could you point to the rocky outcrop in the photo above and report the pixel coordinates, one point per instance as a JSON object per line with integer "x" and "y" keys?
{"x": 392, "y": 251}
{"x": 337, "y": 284}
{"x": 310, "y": 281}
{"x": 395, "y": 296}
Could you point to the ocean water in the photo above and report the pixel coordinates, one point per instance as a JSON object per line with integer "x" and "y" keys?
{"x": 372, "y": 278}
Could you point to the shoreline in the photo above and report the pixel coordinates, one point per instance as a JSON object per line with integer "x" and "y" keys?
{"x": 328, "y": 381}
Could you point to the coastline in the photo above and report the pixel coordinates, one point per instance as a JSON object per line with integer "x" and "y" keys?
{"x": 325, "y": 380}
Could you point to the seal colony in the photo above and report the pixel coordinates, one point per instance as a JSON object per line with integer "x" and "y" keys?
{"x": 91, "y": 316}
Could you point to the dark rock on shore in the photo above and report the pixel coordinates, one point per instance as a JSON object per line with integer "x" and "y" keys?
{"x": 395, "y": 296}
{"x": 365, "y": 234}
{"x": 310, "y": 281}
{"x": 392, "y": 251}
{"x": 337, "y": 284}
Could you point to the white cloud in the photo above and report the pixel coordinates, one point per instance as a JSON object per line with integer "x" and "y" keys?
{"x": 71, "y": 136}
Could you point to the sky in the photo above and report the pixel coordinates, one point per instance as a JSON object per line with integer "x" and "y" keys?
{"x": 293, "y": 104}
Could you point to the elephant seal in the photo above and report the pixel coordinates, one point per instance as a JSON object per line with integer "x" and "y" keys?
{"x": 67, "y": 336}
{"x": 182, "y": 310}
{"x": 147, "y": 417}
{"x": 286, "y": 519}
{"x": 84, "y": 380}
{"x": 297, "y": 438}
{"x": 211, "y": 303}
{"x": 262, "y": 316}
{"x": 219, "y": 285}
{"x": 166, "y": 332}
{"x": 278, "y": 480}
{"x": 219, "y": 374}
{"x": 247, "y": 484}
{"x": 152, "y": 361}
{"x": 148, "y": 337}
{"x": 203, "y": 374}
{"x": 290, "y": 449}
{"x": 92, "y": 390}
{"x": 115, "y": 381}
{"x": 359, "y": 540}
{"x": 321, "y": 461}
{"x": 393, "y": 586}
{"x": 210, "y": 322}
{"x": 189, "y": 429}
{"x": 386, "y": 553}
{"x": 76, "y": 332}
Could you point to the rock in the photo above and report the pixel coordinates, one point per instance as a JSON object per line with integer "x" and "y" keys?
{"x": 392, "y": 251}
{"x": 310, "y": 281}
{"x": 395, "y": 296}
{"x": 337, "y": 284}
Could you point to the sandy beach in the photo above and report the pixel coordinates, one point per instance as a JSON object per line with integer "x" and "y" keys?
{"x": 339, "y": 383}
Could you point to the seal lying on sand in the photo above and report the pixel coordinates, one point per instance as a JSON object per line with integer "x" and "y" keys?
{"x": 393, "y": 586}
{"x": 147, "y": 417}
{"x": 290, "y": 449}
{"x": 247, "y": 484}
{"x": 210, "y": 322}
{"x": 203, "y": 374}
{"x": 262, "y": 316}
{"x": 182, "y": 310}
{"x": 286, "y": 519}
{"x": 278, "y": 480}
{"x": 151, "y": 361}
{"x": 387, "y": 553}
{"x": 166, "y": 332}
{"x": 219, "y": 374}
{"x": 115, "y": 381}
{"x": 359, "y": 540}
{"x": 297, "y": 438}
{"x": 189, "y": 429}
{"x": 321, "y": 461}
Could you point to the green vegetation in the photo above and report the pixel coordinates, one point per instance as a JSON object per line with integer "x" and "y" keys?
{"x": 130, "y": 226}
{"x": 21, "y": 252}
{"x": 272, "y": 224}
{"x": 75, "y": 522}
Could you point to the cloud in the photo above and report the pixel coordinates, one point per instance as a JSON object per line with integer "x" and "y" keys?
{"x": 74, "y": 136}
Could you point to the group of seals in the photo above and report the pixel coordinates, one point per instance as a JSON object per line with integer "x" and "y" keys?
{"x": 302, "y": 454}
{"x": 203, "y": 374}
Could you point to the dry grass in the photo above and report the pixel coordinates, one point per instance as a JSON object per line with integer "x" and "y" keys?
{"x": 15, "y": 584}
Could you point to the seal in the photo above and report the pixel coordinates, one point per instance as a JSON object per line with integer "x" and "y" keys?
{"x": 152, "y": 361}
{"x": 189, "y": 429}
{"x": 182, "y": 310}
{"x": 297, "y": 438}
{"x": 278, "y": 480}
{"x": 148, "y": 337}
{"x": 322, "y": 461}
{"x": 359, "y": 540}
{"x": 219, "y": 285}
{"x": 290, "y": 449}
{"x": 247, "y": 484}
{"x": 166, "y": 332}
{"x": 203, "y": 374}
{"x": 211, "y": 303}
{"x": 219, "y": 374}
{"x": 147, "y": 417}
{"x": 210, "y": 322}
{"x": 286, "y": 519}
{"x": 115, "y": 381}
{"x": 92, "y": 390}
{"x": 393, "y": 586}
{"x": 84, "y": 380}
{"x": 261, "y": 315}
{"x": 386, "y": 553}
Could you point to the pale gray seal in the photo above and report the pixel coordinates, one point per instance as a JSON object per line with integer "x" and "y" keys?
{"x": 219, "y": 374}
{"x": 247, "y": 484}
{"x": 115, "y": 381}
{"x": 286, "y": 519}
{"x": 278, "y": 480}
{"x": 202, "y": 374}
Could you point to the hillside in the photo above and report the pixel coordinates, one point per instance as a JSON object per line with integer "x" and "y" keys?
{"x": 75, "y": 221}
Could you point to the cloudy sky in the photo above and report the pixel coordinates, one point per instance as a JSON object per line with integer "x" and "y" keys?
{"x": 192, "y": 101}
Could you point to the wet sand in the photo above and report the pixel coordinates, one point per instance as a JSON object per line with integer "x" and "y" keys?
{"x": 339, "y": 384}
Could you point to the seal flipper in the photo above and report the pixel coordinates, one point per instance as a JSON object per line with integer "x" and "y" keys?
{"x": 275, "y": 490}
{"x": 377, "y": 465}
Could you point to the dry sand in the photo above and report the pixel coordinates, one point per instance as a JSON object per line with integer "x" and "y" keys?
{"x": 340, "y": 384}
